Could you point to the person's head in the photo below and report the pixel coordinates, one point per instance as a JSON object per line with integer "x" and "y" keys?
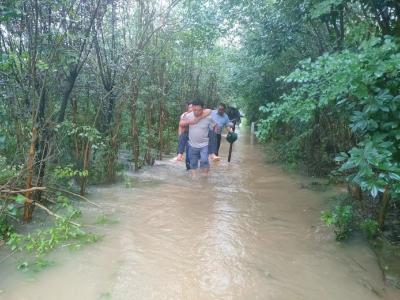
{"x": 197, "y": 107}
{"x": 189, "y": 106}
{"x": 221, "y": 109}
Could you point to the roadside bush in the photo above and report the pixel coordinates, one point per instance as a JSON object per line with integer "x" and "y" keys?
{"x": 350, "y": 103}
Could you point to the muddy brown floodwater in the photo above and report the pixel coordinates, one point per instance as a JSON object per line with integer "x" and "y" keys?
{"x": 248, "y": 231}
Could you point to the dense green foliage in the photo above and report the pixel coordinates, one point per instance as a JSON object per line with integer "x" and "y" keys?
{"x": 321, "y": 79}
{"x": 82, "y": 80}
{"x": 359, "y": 88}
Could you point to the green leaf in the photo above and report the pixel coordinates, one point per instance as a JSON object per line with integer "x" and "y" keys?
{"x": 374, "y": 191}
{"x": 394, "y": 176}
{"x": 20, "y": 199}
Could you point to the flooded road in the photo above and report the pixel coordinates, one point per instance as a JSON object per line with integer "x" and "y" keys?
{"x": 248, "y": 231}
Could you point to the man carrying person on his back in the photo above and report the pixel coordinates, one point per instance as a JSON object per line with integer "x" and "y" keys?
{"x": 198, "y": 136}
{"x": 183, "y": 133}
{"x": 222, "y": 120}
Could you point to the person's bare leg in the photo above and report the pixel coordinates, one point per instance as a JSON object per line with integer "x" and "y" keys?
{"x": 205, "y": 171}
{"x": 179, "y": 157}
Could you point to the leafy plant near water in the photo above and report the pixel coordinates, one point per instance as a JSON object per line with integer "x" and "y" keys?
{"x": 341, "y": 218}
{"x": 36, "y": 245}
{"x": 103, "y": 220}
{"x": 359, "y": 89}
{"x": 344, "y": 220}
{"x": 9, "y": 211}
{"x": 370, "y": 228}
{"x": 41, "y": 242}
{"x": 35, "y": 266}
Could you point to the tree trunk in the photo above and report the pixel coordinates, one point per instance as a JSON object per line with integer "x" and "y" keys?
{"x": 384, "y": 205}
{"x": 149, "y": 116}
{"x": 135, "y": 130}
{"x": 114, "y": 147}
{"x": 66, "y": 95}
{"x": 86, "y": 160}
{"x": 28, "y": 208}
{"x": 160, "y": 131}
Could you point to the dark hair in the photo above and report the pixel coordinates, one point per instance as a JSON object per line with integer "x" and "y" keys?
{"x": 198, "y": 102}
{"x": 189, "y": 103}
{"x": 223, "y": 105}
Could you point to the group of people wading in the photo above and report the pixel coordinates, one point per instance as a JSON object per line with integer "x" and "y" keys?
{"x": 200, "y": 135}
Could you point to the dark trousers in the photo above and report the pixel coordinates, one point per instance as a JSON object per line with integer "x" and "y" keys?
{"x": 187, "y": 158}
{"x": 182, "y": 142}
{"x": 214, "y": 142}
{"x": 218, "y": 143}
{"x": 182, "y": 145}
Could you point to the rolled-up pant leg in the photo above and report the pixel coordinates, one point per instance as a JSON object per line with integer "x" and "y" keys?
{"x": 194, "y": 154}
{"x": 204, "y": 163}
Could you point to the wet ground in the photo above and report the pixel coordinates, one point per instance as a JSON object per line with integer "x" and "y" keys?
{"x": 247, "y": 231}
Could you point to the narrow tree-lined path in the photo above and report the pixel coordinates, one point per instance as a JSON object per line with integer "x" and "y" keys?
{"x": 248, "y": 231}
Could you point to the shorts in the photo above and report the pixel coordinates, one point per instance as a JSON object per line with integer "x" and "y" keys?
{"x": 196, "y": 154}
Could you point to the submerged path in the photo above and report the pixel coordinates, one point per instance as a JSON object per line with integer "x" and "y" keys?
{"x": 248, "y": 231}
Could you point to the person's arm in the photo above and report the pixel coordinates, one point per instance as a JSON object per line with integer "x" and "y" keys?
{"x": 185, "y": 122}
{"x": 229, "y": 125}
{"x": 213, "y": 125}
{"x": 206, "y": 112}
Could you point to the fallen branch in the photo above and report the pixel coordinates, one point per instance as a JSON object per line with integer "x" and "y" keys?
{"x": 48, "y": 211}
{"x": 35, "y": 188}
{"x": 76, "y": 195}
{"x": 31, "y": 202}
{"x": 52, "y": 213}
{"x": 49, "y": 200}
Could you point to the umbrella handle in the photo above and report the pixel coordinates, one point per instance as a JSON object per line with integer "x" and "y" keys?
{"x": 231, "y": 144}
